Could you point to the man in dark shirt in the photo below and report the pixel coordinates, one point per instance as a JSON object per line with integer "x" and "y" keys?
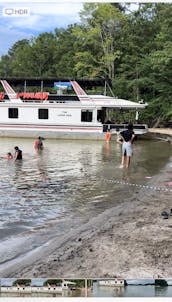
{"x": 127, "y": 139}
{"x": 18, "y": 153}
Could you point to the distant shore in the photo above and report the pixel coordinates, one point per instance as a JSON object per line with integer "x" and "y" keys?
{"x": 167, "y": 131}
{"x": 164, "y": 134}
{"x": 131, "y": 240}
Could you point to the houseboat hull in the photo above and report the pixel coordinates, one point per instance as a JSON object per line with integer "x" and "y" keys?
{"x": 58, "y": 132}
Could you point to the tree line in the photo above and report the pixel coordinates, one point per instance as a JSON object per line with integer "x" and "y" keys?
{"x": 131, "y": 47}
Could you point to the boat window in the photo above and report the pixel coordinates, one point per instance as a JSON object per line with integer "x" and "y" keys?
{"x": 13, "y": 113}
{"x": 86, "y": 115}
{"x": 43, "y": 114}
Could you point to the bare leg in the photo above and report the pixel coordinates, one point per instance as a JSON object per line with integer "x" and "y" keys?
{"x": 128, "y": 161}
{"x": 122, "y": 161}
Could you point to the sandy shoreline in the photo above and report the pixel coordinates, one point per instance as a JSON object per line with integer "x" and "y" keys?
{"x": 167, "y": 131}
{"x": 131, "y": 240}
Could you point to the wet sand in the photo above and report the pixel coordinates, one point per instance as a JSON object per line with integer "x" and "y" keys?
{"x": 167, "y": 131}
{"x": 131, "y": 240}
{"x": 164, "y": 134}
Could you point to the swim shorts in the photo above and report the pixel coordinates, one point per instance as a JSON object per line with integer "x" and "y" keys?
{"x": 127, "y": 149}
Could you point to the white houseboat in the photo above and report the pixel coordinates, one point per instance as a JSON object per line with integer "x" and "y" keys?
{"x": 50, "y": 288}
{"x": 53, "y": 288}
{"x": 79, "y": 116}
{"x": 117, "y": 282}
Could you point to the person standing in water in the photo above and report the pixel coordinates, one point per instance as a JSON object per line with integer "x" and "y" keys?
{"x": 108, "y": 136}
{"x": 127, "y": 137}
{"x": 38, "y": 144}
{"x": 18, "y": 153}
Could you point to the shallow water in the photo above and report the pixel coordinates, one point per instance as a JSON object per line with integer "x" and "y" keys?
{"x": 75, "y": 293}
{"x": 132, "y": 291}
{"x": 53, "y": 191}
{"x": 104, "y": 291}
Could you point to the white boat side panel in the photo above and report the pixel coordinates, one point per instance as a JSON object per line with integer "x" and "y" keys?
{"x": 29, "y": 115}
{"x": 3, "y": 114}
{"x": 65, "y": 116}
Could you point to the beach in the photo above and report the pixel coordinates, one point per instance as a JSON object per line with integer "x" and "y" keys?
{"x": 130, "y": 240}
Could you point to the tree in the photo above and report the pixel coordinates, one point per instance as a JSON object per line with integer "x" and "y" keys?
{"x": 64, "y": 55}
{"x": 25, "y": 282}
{"x": 97, "y": 40}
{"x": 42, "y": 54}
{"x": 52, "y": 282}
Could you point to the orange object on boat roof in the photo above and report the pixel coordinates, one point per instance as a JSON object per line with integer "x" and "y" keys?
{"x": 32, "y": 95}
{"x": 2, "y": 95}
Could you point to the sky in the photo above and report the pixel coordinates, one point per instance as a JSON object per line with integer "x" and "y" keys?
{"x": 42, "y": 17}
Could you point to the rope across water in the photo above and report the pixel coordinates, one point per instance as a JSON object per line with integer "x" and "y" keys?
{"x": 154, "y": 188}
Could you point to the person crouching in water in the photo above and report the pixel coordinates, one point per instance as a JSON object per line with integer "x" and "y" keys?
{"x": 127, "y": 137}
{"x": 18, "y": 153}
{"x": 38, "y": 144}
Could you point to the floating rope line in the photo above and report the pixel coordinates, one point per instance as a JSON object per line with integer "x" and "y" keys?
{"x": 164, "y": 189}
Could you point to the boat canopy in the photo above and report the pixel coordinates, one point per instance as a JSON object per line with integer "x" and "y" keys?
{"x": 98, "y": 101}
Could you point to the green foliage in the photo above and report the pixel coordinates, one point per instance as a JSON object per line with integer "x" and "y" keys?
{"x": 52, "y": 281}
{"x": 161, "y": 282}
{"x": 78, "y": 282}
{"x": 25, "y": 282}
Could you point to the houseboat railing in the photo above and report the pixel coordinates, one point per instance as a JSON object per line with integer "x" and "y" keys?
{"x": 120, "y": 127}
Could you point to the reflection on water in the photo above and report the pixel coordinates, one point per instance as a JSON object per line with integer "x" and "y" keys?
{"x": 64, "y": 293}
{"x": 131, "y": 291}
{"x": 29, "y": 295}
{"x": 103, "y": 291}
{"x": 53, "y": 191}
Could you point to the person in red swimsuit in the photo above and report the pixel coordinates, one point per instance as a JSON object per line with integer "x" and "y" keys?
{"x": 38, "y": 144}
{"x": 108, "y": 136}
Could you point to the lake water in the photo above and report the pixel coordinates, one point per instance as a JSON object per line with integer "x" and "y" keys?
{"x": 54, "y": 191}
{"x": 103, "y": 291}
{"x": 131, "y": 291}
{"x": 74, "y": 293}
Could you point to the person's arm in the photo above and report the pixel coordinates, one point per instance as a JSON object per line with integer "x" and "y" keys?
{"x": 16, "y": 154}
{"x": 119, "y": 138}
{"x": 132, "y": 138}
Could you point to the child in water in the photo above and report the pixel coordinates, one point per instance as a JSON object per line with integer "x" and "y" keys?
{"x": 108, "y": 136}
{"x": 38, "y": 144}
{"x": 9, "y": 156}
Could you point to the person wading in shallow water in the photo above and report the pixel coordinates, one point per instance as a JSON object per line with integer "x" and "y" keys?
{"x": 18, "y": 153}
{"x": 38, "y": 144}
{"x": 127, "y": 137}
{"x": 108, "y": 136}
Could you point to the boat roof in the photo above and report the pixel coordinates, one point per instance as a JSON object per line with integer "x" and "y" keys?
{"x": 84, "y": 99}
{"x": 102, "y": 100}
{"x": 107, "y": 101}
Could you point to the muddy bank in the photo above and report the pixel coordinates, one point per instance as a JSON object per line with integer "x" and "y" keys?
{"x": 131, "y": 240}
{"x": 160, "y": 134}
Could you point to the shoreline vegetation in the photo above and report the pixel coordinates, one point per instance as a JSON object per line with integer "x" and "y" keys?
{"x": 131, "y": 240}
